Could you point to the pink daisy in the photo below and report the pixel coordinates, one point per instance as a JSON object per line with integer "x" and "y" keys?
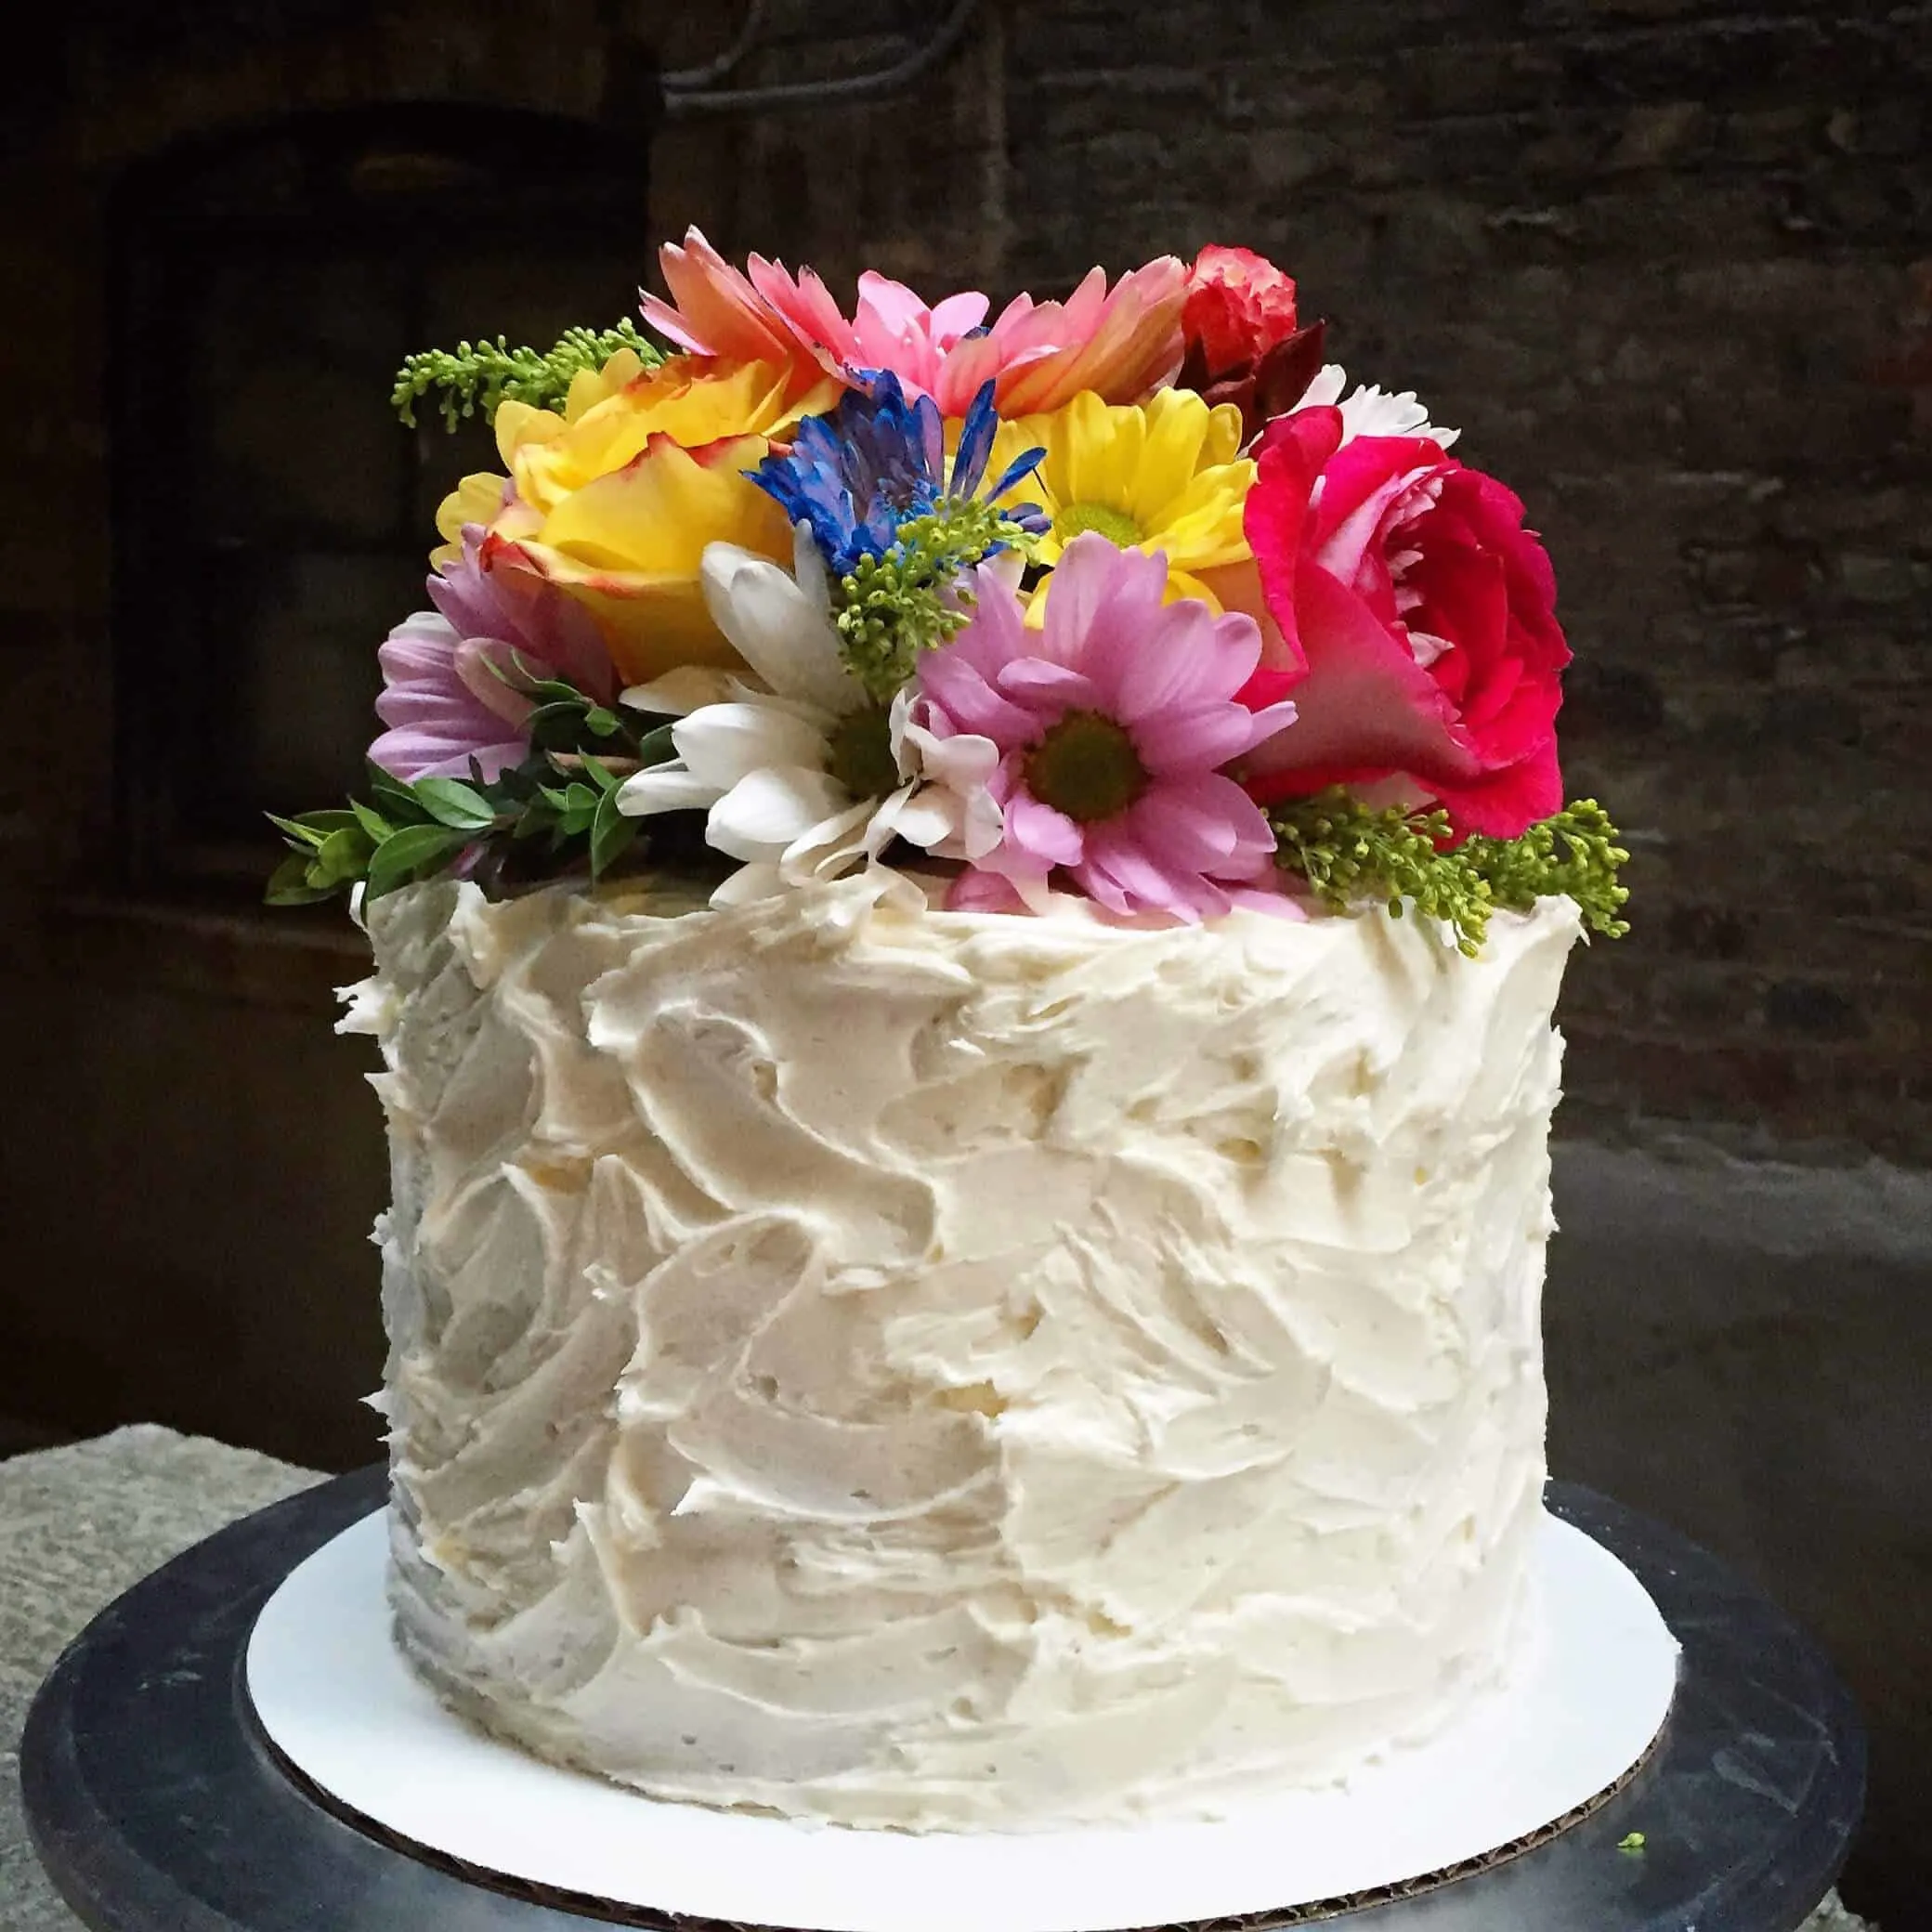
{"x": 1106, "y": 733}
{"x": 1122, "y": 342}
{"x": 443, "y": 702}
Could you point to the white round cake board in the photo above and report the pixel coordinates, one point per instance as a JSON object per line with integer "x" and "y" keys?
{"x": 332, "y": 1692}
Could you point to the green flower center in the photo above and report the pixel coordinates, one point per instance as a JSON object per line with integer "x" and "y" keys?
{"x": 1086, "y": 766}
{"x": 860, "y": 753}
{"x": 1116, "y": 526}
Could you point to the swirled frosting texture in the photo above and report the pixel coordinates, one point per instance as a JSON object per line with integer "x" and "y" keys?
{"x": 955, "y": 1371}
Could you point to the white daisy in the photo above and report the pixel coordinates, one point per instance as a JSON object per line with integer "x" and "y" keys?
{"x": 1369, "y": 411}
{"x": 756, "y": 760}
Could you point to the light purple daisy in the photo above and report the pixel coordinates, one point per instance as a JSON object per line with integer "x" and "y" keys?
{"x": 1111, "y": 727}
{"x": 443, "y": 702}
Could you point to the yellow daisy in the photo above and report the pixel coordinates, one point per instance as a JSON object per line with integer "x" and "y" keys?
{"x": 1161, "y": 476}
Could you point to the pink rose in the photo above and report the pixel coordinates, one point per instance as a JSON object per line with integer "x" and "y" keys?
{"x": 1244, "y": 341}
{"x": 1425, "y": 615}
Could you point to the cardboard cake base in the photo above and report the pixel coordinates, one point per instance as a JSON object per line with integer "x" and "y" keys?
{"x": 335, "y": 1698}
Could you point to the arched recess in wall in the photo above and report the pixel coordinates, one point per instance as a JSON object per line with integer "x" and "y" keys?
{"x": 271, "y": 517}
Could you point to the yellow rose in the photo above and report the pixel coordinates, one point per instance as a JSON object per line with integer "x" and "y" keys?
{"x": 617, "y": 495}
{"x": 628, "y": 545}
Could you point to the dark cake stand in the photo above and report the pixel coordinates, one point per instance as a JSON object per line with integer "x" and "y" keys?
{"x": 158, "y": 1806}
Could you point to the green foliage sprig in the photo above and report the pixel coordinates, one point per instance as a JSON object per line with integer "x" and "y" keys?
{"x": 1353, "y": 855}
{"x": 478, "y": 376}
{"x": 559, "y": 805}
{"x": 893, "y": 607}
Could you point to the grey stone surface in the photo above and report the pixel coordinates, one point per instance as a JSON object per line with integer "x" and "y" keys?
{"x": 77, "y": 1526}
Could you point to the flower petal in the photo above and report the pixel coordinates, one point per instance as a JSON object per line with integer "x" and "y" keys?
{"x": 1197, "y": 738}
{"x": 1042, "y": 833}
{"x": 1366, "y": 703}
{"x": 726, "y": 742}
{"x": 679, "y": 692}
{"x": 766, "y": 810}
{"x": 749, "y": 883}
{"x": 777, "y": 627}
{"x": 665, "y": 788}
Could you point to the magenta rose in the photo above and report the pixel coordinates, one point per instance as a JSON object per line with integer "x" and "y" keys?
{"x": 1424, "y": 616}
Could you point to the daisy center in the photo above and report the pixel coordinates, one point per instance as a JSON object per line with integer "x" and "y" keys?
{"x": 858, "y": 753}
{"x": 1116, "y": 526}
{"x": 1086, "y": 766}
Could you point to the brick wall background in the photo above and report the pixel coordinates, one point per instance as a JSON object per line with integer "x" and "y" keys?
{"x": 1668, "y": 262}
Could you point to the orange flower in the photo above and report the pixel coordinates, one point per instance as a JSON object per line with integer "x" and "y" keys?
{"x": 1122, "y": 343}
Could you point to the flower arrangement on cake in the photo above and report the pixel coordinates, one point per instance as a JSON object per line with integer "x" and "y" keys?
{"x": 1130, "y": 597}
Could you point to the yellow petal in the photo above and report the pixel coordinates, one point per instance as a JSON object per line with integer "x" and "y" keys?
{"x": 475, "y": 500}
{"x": 629, "y": 545}
{"x": 518, "y": 424}
{"x": 1177, "y": 423}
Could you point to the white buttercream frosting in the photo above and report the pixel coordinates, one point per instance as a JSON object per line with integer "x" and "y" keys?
{"x": 960, "y": 1371}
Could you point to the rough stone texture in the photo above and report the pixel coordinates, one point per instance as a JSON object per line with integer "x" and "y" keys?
{"x": 80, "y": 1525}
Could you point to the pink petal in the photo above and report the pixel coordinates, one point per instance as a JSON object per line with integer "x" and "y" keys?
{"x": 975, "y": 890}
{"x": 958, "y": 688}
{"x": 1290, "y": 458}
{"x": 718, "y": 311}
{"x": 955, "y": 316}
{"x": 1120, "y": 873}
{"x": 498, "y": 694}
{"x": 1193, "y": 739}
{"x": 1045, "y": 686}
{"x": 1185, "y": 657}
{"x": 1358, "y": 484}
{"x": 807, "y": 308}
{"x": 1041, "y": 832}
{"x": 1365, "y": 703}
{"x": 1503, "y": 804}
{"x": 1095, "y": 584}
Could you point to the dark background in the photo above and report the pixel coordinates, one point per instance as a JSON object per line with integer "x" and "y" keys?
{"x": 1669, "y": 263}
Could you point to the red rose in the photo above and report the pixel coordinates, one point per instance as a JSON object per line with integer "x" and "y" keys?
{"x": 1425, "y": 615}
{"x": 1243, "y": 341}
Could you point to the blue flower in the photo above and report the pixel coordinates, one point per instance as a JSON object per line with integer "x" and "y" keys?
{"x": 877, "y": 462}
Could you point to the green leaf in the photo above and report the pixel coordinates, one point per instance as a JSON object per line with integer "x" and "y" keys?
{"x": 580, "y": 808}
{"x": 554, "y": 713}
{"x": 601, "y": 723}
{"x": 304, "y": 838}
{"x": 339, "y": 858}
{"x": 453, "y": 803}
{"x": 397, "y": 802}
{"x": 371, "y": 821}
{"x": 288, "y": 884}
{"x": 611, "y": 832}
{"x": 414, "y": 852}
{"x": 607, "y": 780}
{"x": 656, "y": 746}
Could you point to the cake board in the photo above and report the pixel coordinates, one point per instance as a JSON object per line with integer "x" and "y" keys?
{"x": 156, "y": 1800}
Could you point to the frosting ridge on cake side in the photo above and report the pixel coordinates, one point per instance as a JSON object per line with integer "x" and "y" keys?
{"x": 947, "y": 1370}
